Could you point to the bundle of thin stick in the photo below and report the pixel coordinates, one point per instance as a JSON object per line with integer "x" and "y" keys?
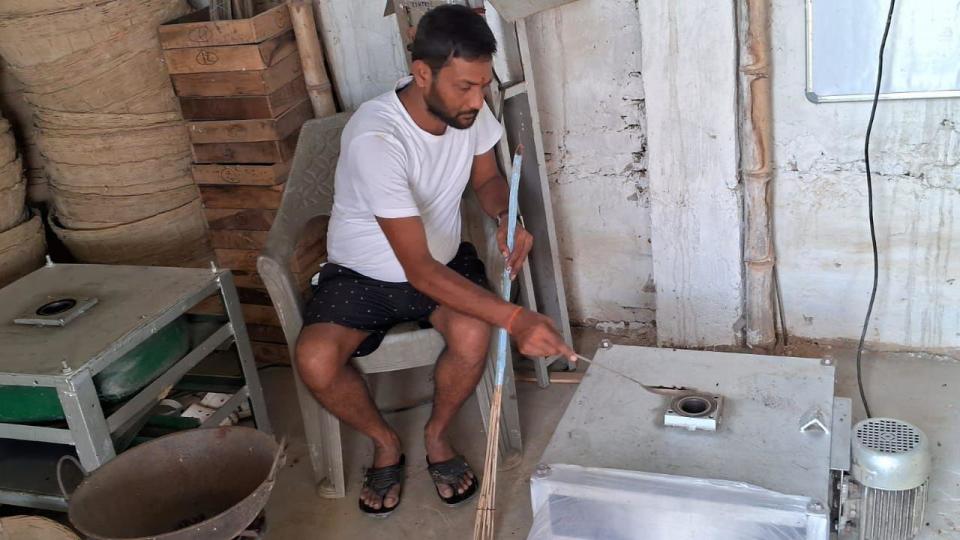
{"x": 483, "y": 527}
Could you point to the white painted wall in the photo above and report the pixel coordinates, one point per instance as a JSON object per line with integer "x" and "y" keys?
{"x": 690, "y": 78}
{"x": 586, "y": 62}
{"x": 586, "y": 57}
{"x": 362, "y": 46}
{"x": 821, "y": 215}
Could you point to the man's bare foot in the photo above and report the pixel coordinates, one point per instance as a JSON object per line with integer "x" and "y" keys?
{"x": 384, "y": 455}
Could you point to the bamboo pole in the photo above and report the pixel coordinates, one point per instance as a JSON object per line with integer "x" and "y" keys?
{"x": 756, "y": 163}
{"x": 311, "y": 57}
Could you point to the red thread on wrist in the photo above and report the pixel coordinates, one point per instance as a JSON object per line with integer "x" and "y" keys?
{"x": 513, "y": 317}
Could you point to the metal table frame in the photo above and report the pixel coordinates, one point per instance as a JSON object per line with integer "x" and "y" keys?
{"x": 91, "y": 432}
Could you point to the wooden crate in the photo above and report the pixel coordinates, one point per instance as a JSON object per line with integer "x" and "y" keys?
{"x": 245, "y": 219}
{"x": 245, "y": 107}
{"x": 314, "y": 233}
{"x": 305, "y": 258}
{"x": 270, "y": 353}
{"x": 258, "y": 130}
{"x": 254, "y": 56}
{"x": 252, "y": 313}
{"x": 239, "y": 83}
{"x": 266, "y": 334}
{"x": 265, "y": 152}
{"x": 253, "y": 280}
{"x": 242, "y": 175}
{"x": 197, "y": 30}
{"x": 242, "y": 198}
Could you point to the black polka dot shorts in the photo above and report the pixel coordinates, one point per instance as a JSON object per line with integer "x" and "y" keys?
{"x": 349, "y": 299}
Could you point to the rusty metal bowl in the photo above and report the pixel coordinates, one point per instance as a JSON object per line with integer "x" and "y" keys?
{"x": 199, "y": 484}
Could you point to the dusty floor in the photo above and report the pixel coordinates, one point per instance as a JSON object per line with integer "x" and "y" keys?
{"x": 919, "y": 388}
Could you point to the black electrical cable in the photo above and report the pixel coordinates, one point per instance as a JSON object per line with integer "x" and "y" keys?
{"x": 873, "y": 229}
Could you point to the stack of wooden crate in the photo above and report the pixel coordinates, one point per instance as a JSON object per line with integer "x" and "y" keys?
{"x": 242, "y": 92}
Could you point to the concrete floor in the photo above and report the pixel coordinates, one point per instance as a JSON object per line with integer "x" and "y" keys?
{"x": 916, "y": 387}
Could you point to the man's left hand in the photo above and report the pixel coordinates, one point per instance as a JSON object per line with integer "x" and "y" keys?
{"x": 522, "y": 243}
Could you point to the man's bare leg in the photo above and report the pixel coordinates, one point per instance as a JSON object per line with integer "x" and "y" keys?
{"x": 323, "y": 361}
{"x": 457, "y": 373}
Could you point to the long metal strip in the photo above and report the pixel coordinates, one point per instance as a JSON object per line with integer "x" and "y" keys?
{"x": 147, "y": 397}
{"x": 503, "y": 337}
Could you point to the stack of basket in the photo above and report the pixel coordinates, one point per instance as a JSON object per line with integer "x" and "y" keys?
{"x": 241, "y": 88}
{"x": 20, "y": 114}
{"x": 106, "y": 120}
{"x": 22, "y": 244}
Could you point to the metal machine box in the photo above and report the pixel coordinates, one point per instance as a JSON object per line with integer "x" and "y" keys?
{"x": 773, "y": 434}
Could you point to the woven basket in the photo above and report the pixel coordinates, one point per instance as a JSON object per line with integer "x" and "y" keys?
{"x": 21, "y": 250}
{"x": 168, "y": 239}
{"x": 12, "y": 205}
{"x": 107, "y": 209}
{"x": 112, "y": 146}
{"x": 13, "y": 189}
{"x": 42, "y": 34}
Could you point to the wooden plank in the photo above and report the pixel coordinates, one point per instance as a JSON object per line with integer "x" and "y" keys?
{"x": 313, "y": 234}
{"x": 256, "y": 297}
{"x": 230, "y": 58}
{"x": 245, "y": 175}
{"x": 237, "y": 131}
{"x": 270, "y": 353}
{"x": 305, "y": 257}
{"x": 239, "y": 83}
{"x": 252, "y": 314}
{"x": 197, "y": 30}
{"x": 238, "y": 259}
{"x": 247, "y": 152}
{"x": 228, "y": 239}
{"x": 266, "y": 334}
{"x": 253, "y": 280}
{"x": 244, "y": 107}
{"x": 247, "y": 219}
{"x": 245, "y": 197}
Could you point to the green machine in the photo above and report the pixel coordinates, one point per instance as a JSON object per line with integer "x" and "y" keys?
{"x": 123, "y": 378}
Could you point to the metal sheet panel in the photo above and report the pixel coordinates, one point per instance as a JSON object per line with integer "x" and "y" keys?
{"x": 130, "y": 299}
{"x": 512, "y": 10}
{"x": 614, "y": 423}
{"x": 840, "y": 434}
{"x": 537, "y": 211}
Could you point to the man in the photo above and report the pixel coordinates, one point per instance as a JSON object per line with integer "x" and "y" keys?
{"x": 396, "y": 256}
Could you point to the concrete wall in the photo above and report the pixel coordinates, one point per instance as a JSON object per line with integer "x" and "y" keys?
{"x": 586, "y": 62}
{"x": 821, "y": 214}
{"x": 362, "y": 46}
{"x": 586, "y": 59}
{"x": 689, "y": 57}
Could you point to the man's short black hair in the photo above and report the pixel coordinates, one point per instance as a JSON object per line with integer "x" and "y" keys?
{"x": 452, "y": 31}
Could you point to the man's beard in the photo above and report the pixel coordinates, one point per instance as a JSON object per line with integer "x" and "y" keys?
{"x": 458, "y": 121}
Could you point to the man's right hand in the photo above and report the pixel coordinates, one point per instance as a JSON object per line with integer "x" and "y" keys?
{"x": 536, "y": 335}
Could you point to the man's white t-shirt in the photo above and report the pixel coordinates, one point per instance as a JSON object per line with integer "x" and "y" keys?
{"x": 391, "y": 168}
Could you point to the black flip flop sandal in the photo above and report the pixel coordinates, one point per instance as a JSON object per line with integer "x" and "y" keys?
{"x": 449, "y": 473}
{"x": 380, "y": 480}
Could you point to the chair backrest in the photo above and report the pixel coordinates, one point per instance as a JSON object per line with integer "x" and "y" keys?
{"x": 309, "y": 188}
{"x": 308, "y": 193}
